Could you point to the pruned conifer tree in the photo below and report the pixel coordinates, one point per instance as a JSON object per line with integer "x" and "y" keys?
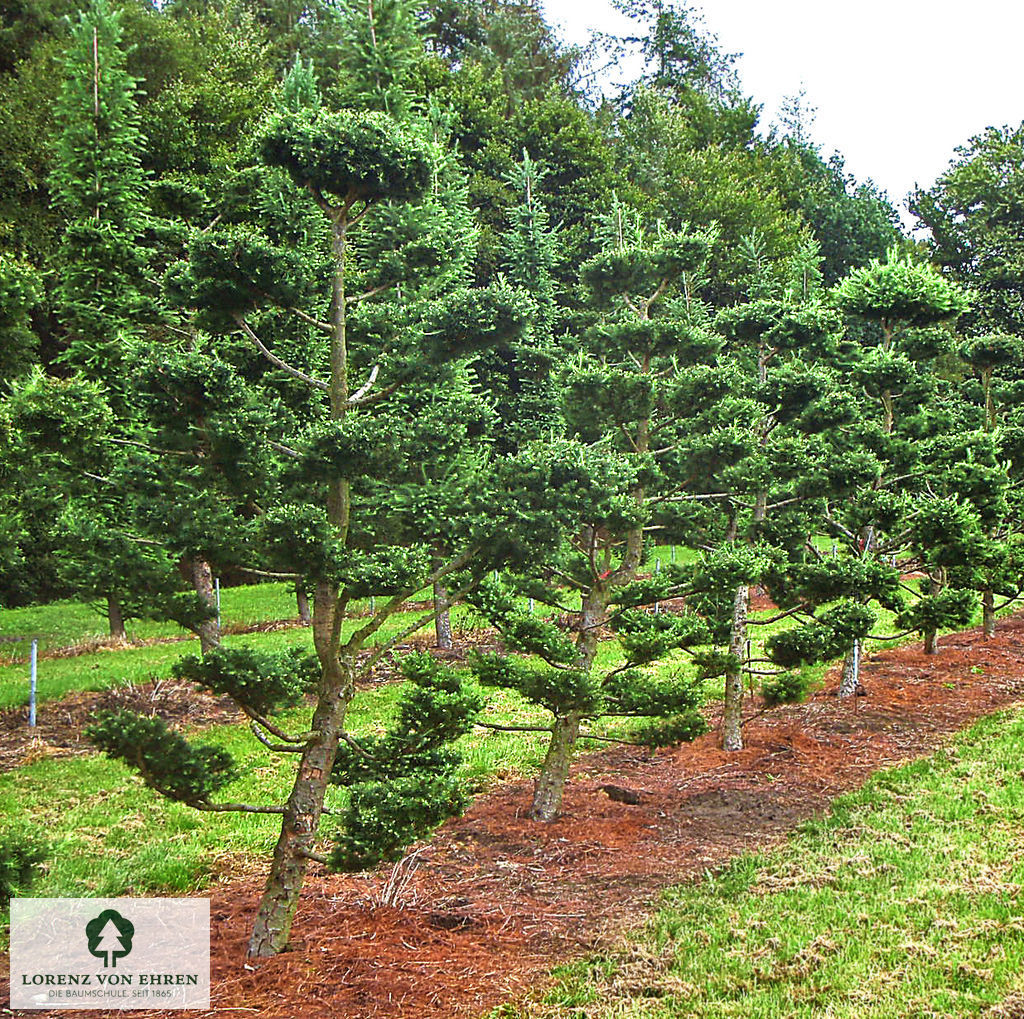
{"x": 385, "y": 313}
{"x": 904, "y": 302}
{"x": 625, "y": 402}
{"x": 996, "y": 360}
{"x": 769, "y": 470}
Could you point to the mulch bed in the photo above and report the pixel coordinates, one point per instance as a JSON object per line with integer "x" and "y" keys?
{"x": 59, "y": 724}
{"x": 492, "y": 901}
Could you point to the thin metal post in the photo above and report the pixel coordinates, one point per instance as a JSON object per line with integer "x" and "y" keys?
{"x": 32, "y": 684}
{"x": 216, "y": 588}
{"x": 672, "y": 554}
{"x": 531, "y": 606}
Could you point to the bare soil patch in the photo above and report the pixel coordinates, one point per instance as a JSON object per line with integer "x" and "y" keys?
{"x": 493, "y": 900}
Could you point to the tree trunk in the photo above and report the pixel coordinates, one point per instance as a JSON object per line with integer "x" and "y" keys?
{"x": 988, "y": 614}
{"x": 302, "y": 813}
{"x": 732, "y": 713}
{"x": 851, "y": 671}
{"x": 301, "y": 818}
{"x": 547, "y": 797}
{"x": 302, "y": 602}
{"x": 931, "y": 637}
{"x": 115, "y": 617}
{"x": 201, "y": 577}
{"x": 442, "y": 621}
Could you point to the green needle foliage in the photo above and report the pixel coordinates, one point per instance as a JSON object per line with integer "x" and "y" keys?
{"x": 99, "y": 183}
{"x": 333, "y": 491}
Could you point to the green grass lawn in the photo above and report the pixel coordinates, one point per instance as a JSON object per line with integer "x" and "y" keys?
{"x": 907, "y": 900}
{"x": 104, "y": 669}
{"x": 66, "y": 623}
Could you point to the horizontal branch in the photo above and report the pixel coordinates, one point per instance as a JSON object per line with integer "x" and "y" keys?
{"x": 269, "y": 573}
{"x": 287, "y": 450}
{"x": 372, "y": 292}
{"x": 781, "y": 615}
{"x": 513, "y": 728}
{"x": 236, "y": 808}
{"x": 278, "y": 748}
{"x": 275, "y": 730}
{"x": 895, "y": 636}
{"x": 324, "y": 327}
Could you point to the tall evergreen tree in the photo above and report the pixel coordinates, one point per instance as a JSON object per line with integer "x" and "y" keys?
{"x": 98, "y": 182}
{"x": 379, "y": 287}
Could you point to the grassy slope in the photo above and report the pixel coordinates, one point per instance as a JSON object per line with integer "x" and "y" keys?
{"x": 103, "y": 669}
{"x": 906, "y": 901}
{"x": 110, "y": 835}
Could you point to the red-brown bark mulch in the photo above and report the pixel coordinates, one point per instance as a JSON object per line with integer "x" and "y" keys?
{"x": 493, "y": 900}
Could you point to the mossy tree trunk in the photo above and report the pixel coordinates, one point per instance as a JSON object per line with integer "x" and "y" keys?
{"x": 201, "y": 578}
{"x": 851, "y": 672}
{"x": 302, "y": 604}
{"x": 443, "y": 620}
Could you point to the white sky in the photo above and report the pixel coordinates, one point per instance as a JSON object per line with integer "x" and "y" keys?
{"x": 898, "y": 84}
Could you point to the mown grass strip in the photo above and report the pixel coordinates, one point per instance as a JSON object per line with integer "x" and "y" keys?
{"x": 907, "y": 900}
{"x": 66, "y": 623}
{"x": 101, "y": 670}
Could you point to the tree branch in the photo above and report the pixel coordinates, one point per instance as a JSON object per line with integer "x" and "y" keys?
{"x": 368, "y": 293}
{"x": 278, "y": 748}
{"x": 382, "y": 615}
{"x": 782, "y": 615}
{"x": 513, "y": 728}
{"x": 287, "y": 450}
{"x": 418, "y": 624}
{"x": 275, "y": 360}
{"x": 238, "y": 808}
{"x": 324, "y": 327}
{"x": 269, "y": 573}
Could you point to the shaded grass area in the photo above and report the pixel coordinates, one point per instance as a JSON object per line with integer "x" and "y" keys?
{"x": 905, "y": 901}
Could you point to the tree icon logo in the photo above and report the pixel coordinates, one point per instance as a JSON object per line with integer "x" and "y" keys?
{"x": 110, "y": 936}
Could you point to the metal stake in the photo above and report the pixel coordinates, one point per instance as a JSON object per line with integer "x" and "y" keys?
{"x": 32, "y": 684}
